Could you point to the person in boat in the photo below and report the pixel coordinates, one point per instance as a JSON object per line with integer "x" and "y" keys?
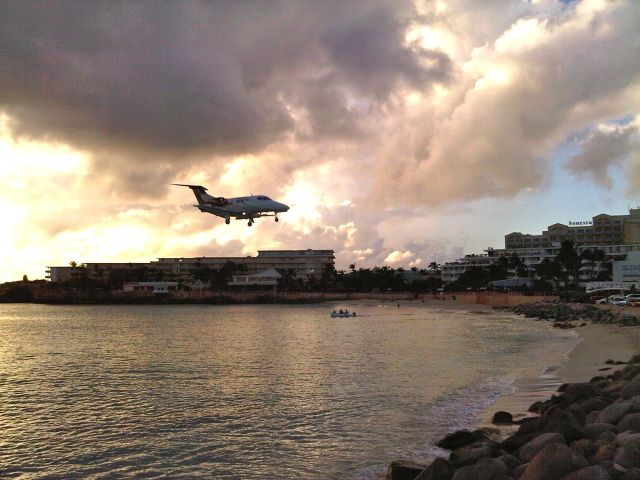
{"x": 353, "y": 314}
{"x": 340, "y": 311}
{"x": 334, "y": 311}
{"x": 346, "y": 311}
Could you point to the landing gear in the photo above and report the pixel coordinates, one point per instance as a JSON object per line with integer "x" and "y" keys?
{"x": 250, "y": 222}
{"x": 227, "y": 221}
{"x": 277, "y": 219}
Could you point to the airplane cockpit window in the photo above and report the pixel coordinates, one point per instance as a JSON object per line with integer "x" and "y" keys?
{"x": 262, "y": 197}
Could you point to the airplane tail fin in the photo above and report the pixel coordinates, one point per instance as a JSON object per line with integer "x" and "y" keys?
{"x": 198, "y": 191}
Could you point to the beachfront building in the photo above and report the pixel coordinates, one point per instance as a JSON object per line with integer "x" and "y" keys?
{"x": 451, "y": 271}
{"x": 266, "y": 279}
{"x": 296, "y": 264}
{"x": 150, "y": 287}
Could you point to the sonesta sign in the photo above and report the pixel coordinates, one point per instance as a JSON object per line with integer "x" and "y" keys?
{"x": 578, "y": 224}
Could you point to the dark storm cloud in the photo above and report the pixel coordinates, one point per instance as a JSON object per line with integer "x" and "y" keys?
{"x": 152, "y": 81}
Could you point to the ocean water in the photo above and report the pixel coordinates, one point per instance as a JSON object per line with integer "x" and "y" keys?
{"x": 256, "y": 392}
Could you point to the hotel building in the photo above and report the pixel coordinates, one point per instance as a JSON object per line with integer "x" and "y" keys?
{"x": 302, "y": 264}
{"x": 615, "y": 235}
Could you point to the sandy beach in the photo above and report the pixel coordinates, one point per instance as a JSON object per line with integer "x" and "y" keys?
{"x": 595, "y": 344}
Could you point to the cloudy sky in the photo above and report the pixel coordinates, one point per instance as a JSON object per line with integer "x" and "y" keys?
{"x": 399, "y": 132}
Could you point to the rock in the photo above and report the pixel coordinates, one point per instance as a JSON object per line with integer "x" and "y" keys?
{"x": 510, "y": 461}
{"x": 605, "y": 452}
{"x": 502, "y": 418}
{"x": 457, "y": 439}
{"x": 485, "y": 469}
{"x": 531, "y": 426}
{"x": 470, "y": 454}
{"x": 627, "y": 456}
{"x": 518, "y": 471}
{"x": 404, "y": 470}
{"x": 592, "y": 430}
{"x": 585, "y": 447}
{"x": 630, "y": 389}
{"x": 531, "y": 448}
{"x": 631, "y": 422}
{"x": 613, "y": 469}
{"x": 594, "y": 472}
{"x": 596, "y": 403}
{"x": 574, "y": 392}
{"x": 515, "y": 441}
{"x": 614, "y": 387}
{"x": 440, "y": 469}
{"x": 628, "y": 438}
{"x": 607, "y": 437}
{"x": 614, "y": 412}
{"x": 564, "y": 422}
{"x": 592, "y": 417}
{"x": 631, "y": 474}
{"x": 552, "y": 462}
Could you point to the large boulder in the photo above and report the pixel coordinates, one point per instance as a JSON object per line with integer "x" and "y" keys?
{"x": 457, "y": 440}
{"x": 440, "y": 469}
{"x": 628, "y": 438}
{"x": 630, "y": 422}
{"x": 595, "y": 403}
{"x": 552, "y": 462}
{"x": 604, "y": 453}
{"x": 594, "y": 472}
{"x": 574, "y": 392}
{"x": 470, "y": 454}
{"x": 627, "y": 456}
{"x": 631, "y": 389}
{"x": 614, "y": 412}
{"x": 404, "y": 470}
{"x": 510, "y": 461}
{"x": 502, "y": 418}
{"x": 593, "y": 430}
{"x": 585, "y": 447}
{"x": 564, "y": 422}
{"x": 512, "y": 443}
{"x": 531, "y": 448}
{"x": 485, "y": 469}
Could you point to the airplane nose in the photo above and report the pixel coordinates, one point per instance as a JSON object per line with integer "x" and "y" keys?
{"x": 284, "y": 207}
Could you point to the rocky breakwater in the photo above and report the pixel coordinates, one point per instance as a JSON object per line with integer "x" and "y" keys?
{"x": 569, "y": 315}
{"x": 588, "y": 431}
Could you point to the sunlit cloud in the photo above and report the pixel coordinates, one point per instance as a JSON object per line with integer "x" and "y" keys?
{"x": 378, "y": 122}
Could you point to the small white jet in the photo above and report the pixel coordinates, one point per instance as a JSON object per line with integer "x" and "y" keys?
{"x": 242, "y": 208}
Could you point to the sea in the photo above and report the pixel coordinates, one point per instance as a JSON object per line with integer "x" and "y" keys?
{"x": 251, "y": 391}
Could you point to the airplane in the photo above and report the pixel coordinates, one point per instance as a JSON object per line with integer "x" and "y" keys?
{"x": 242, "y": 208}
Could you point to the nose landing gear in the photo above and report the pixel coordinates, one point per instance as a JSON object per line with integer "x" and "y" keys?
{"x": 227, "y": 221}
{"x": 250, "y": 222}
{"x": 276, "y": 218}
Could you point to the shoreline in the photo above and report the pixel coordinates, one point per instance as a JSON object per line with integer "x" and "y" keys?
{"x": 584, "y": 421}
{"x": 596, "y": 343}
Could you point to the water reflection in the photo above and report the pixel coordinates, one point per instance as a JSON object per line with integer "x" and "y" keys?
{"x": 250, "y": 391}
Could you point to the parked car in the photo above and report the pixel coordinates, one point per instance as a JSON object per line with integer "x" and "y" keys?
{"x": 617, "y": 300}
{"x": 633, "y": 299}
{"x": 601, "y": 301}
